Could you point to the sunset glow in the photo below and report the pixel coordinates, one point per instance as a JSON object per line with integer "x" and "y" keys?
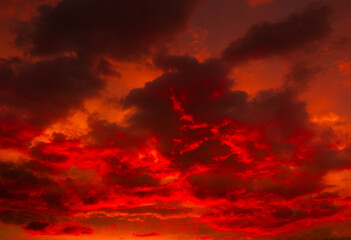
{"x": 175, "y": 119}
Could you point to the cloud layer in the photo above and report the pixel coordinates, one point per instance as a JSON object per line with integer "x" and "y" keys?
{"x": 193, "y": 154}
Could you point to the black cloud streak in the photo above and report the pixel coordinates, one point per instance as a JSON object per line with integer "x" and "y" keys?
{"x": 267, "y": 39}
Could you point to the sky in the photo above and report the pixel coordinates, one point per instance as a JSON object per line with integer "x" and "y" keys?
{"x": 175, "y": 119}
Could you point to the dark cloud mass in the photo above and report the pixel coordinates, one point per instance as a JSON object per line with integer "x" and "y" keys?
{"x": 147, "y": 235}
{"x": 267, "y": 39}
{"x": 125, "y": 29}
{"x": 260, "y": 141}
{"x": 194, "y": 155}
{"x": 37, "y": 93}
{"x": 48, "y": 88}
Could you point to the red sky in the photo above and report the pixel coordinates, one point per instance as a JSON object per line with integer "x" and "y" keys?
{"x": 177, "y": 119}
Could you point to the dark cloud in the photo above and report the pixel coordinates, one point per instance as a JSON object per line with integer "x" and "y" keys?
{"x": 329, "y": 159}
{"x": 189, "y": 89}
{"x": 147, "y": 235}
{"x": 131, "y": 178}
{"x": 24, "y": 186}
{"x": 36, "y": 226}
{"x": 300, "y": 76}
{"x": 35, "y": 94}
{"x": 332, "y": 231}
{"x": 267, "y": 218}
{"x": 21, "y": 187}
{"x": 267, "y": 39}
{"x": 23, "y": 178}
{"x": 15, "y": 216}
{"x": 120, "y": 29}
{"x": 228, "y": 184}
{"x": 278, "y": 112}
{"x": 16, "y": 132}
{"x": 216, "y": 185}
{"x": 103, "y": 132}
{"x": 74, "y": 229}
{"x": 203, "y": 154}
{"x": 191, "y": 93}
{"x": 248, "y": 150}
{"x": 46, "y": 90}
{"x": 64, "y": 228}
